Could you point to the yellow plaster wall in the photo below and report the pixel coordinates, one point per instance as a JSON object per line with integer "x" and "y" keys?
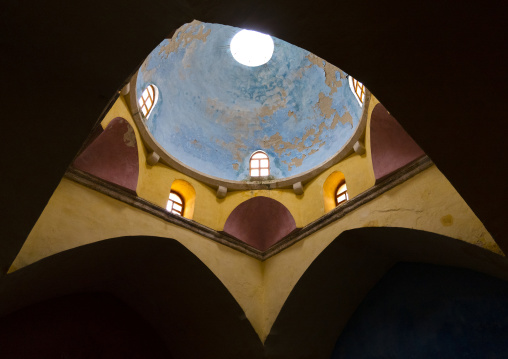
{"x": 76, "y": 215}
{"x": 154, "y": 182}
{"x": 425, "y": 202}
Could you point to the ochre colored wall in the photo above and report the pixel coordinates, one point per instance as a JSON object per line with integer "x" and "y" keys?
{"x": 426, "y": 202}
{"x": 154, "y": 182}
{"x": 76, "y": 215}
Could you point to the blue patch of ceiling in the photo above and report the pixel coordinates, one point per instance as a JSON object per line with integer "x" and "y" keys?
{"x": 213, "y": 112}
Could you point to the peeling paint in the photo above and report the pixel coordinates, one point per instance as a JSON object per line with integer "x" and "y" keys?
{"x": 330, "y": 72}
{"x": 184, "y": 36}
{"x": 129, "y": 138}
{"x": 213, "y": 112}
{"x": 325, "y": 105}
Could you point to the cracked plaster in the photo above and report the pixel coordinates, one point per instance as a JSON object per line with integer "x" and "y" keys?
{"x": 213, "y": 112}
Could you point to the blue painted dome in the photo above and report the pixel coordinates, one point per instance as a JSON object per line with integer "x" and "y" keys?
{"x": 212, "y": 112}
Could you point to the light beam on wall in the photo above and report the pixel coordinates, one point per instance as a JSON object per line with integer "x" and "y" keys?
{"x": 252, "y": 48}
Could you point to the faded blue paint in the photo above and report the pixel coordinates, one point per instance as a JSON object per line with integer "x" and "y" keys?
{"x": 213, "y": 112}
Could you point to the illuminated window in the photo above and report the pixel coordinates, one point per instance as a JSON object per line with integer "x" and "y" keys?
{"x": 341, "y": 195}
{"x": 358, "y": 89}
{"x": 148, "y": 99}
{"x": 259, "y": 164}
{"x": 252, "y": 48}
{"x": 175, "y": 203}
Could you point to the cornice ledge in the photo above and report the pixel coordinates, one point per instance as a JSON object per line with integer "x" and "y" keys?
{"x": 386, "y": 184}
{"x": 130, "y": 197}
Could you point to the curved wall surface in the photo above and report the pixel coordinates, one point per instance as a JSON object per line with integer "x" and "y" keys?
{"x": 212, "y": 112}
{"x": 260, "y": 222}
{"x": 392, "y": 148}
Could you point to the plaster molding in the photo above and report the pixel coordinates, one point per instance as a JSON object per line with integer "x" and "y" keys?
{"x": 126, "y": 89}
{"x": 221, "y": 192}
{"x": 130, "y": 198}
{"x": 298, "y": 188}
{"x": 152, "y": 158}
{"x": 153, "y": 146}
{"x": 359, "y": 148}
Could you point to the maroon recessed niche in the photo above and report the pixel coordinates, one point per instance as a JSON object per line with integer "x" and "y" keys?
{"x": 113, "y": 155}
{"x": 392, "y": 148}
{"x": 260, "y": 222}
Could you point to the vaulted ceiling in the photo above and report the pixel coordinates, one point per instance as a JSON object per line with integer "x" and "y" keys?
{"x": 213, "y": 112}
{"x": 437, "y": 67}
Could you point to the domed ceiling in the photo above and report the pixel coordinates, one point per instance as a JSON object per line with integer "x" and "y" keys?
{"x": 212, "y": 112}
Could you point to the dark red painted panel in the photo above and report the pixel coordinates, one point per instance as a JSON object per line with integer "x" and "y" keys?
{"x": 260, "y": 222}
{"x": 392, "y": 148}
{"x": 113, "y": 155}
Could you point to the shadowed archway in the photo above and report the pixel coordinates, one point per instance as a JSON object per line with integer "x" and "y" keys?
{"x": 159, "y": 278}
{"x": 331, "y": 289}
{"x": 83, "y": 325}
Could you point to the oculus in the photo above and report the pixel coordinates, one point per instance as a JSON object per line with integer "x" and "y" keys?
{"x": 252, "y": 48}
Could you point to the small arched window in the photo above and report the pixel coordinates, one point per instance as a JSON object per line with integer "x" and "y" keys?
{"x": 358, "y": 89}
{"x": 341, "y": 195}
{"x": 259, "y": 164}
{"x": 148, "y": 99}
{"x": 175, "y": 203}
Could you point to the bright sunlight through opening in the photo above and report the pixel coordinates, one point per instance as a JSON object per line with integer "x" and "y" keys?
{"x": 252, "y": 48}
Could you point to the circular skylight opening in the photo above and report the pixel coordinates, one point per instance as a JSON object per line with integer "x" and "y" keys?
{"x": 252, "y": 48}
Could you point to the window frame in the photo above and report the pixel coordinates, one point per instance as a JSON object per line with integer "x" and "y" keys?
{"x": 259, "y": 168}
{"x": 144, "y": 101}
{"x": 354, "y": 85}
{"x": 337, "y": 194}
{"x": 173, "y": 202}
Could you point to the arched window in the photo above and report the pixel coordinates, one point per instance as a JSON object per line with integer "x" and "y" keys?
{"x": 175, "y": 203}
{"x": 341, "y": 195}
{"x": 182, "y": 198}
{"x": 148, "y": 99}
{"x": 358, "y": 89}
{"x": 259, "y": 164}
{"x": 331, "y": 188}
